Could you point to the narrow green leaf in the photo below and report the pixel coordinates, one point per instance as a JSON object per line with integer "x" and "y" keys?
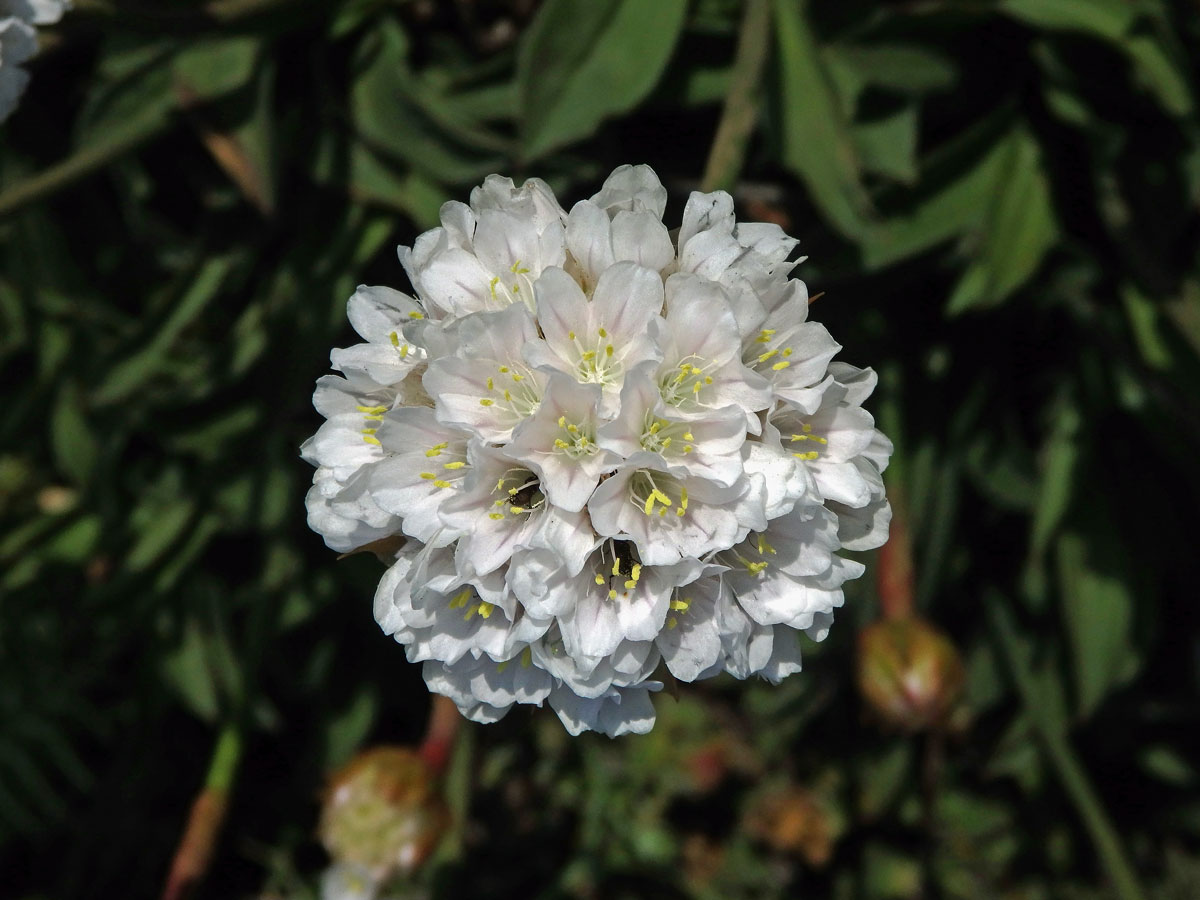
{"x": 1059, "y": 458}
{"x": 580, "y": 63}
{"x": 217, "y": 66}
{"x": 817, "y": 143}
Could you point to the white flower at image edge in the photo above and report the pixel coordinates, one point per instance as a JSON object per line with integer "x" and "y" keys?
{"x": 18, "y": 43}
{"x": 609, "y": 447}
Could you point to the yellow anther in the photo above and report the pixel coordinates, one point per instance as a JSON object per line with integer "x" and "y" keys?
{"x": 491, "y": 385}
{"x": 415, "y": 315}
{"x": 637, "y": 571}
{"x": 780, "y": 366}
{"x": 404, "y": 352}
{"x": 696, "y": 388}
{"x": 672, "y": 622}
{"x": 687, "y": 448}
{"x": 371, "y": 410}
{"x": 512, "y": 492}
{"x": 428, "y": 476}
{"x": 680, "y": 605}
{"x": 485, "y": 402}
{"x": 683, "y": 500}
{"x": 371, "y": 439}
{"x": 612, "y": 595}
{"x": 599, "y": 578}
{"x": 561, "y": 444}
{"x": 763, "y": 546}
{"x": 806, "y": 428}
{"x": 608, "y": 351}
{"x": 588, "y": 355}
{"x": 562, "y": 421}
{"x": 492, "y": 286}
{"x": 499, "y": 487}
{"x": 485, "y": 608}
{"x": 507, "y": 396}
{"x": 602, "y": 332}
{"x": 798, "y": 437}
{"x": 820, "y": 440}
{"x": 441, "y": 484}
{"x": 756, "y": 567}
{"x": 394, "y": 337}
{"x": 369, "y": 430}
{"x": 787, "y": 351}
{"x": 630, "y": 584}
{"x": 518, "y": 378}
{"x": 516, "y": 510}
{"x": 454, "y": 465}
{"x": 708, "y": 379}
{"x": 574, "y": 429}
{"x": 763, "y": 357}
{"x": 666, "y": 442}
{"x": 616, "y": 569}
{"x": 811, "y": 454}
{"x": 687, "y": 436}
{"x": 496, "y": 516}
{"x": 656, "y": 427}
{"x": 503, "y": 370}
{"x": 570, "y": 335}
{"x": 436, "y": 449}
{"x": 460, "y": 599}
{"x": 765, "y": 335}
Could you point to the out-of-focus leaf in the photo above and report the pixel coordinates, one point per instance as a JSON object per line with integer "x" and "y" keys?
{"x": 906, "y": 69}
{"x": 348, "y": 729}
{"x": 580, "y": 63}
{"x": 888, "y": 146}
{"x": 128, "y": 375}
{"x": 388, "y": 119}
{"x": 1098, "y": 609}
{"x": 817, "y": 143}
{"x": 216, "y": 66}
{"x": 72, "y": 439}
{"x": 1018, "y": 230}
{"x": 132, "y": 95}
{"x": 1165, "y": 764}
{"x": 374, "y": 181}
{"x": 1113, "y": 21}
{"x": 188, "y": 670}
{"x": 1059, "y": 459}
{"x": 1143, "y": 324}
{"x": 162, "y": 526}
{"x": 958, "y": 203}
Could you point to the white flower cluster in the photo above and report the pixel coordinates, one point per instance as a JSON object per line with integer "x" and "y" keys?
{"x": 608, "y": 446}
{"x": 18, "y": 42}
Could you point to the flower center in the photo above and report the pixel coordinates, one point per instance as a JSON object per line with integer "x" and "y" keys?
{"x": 506, "y": 293}
{"x": 576, "y": 440}
{"x": 512, "y": 389}
{"x": 451, "y": 461}
{"x": 469, "y": 599}
{"x": 656, "y": 493}
{"x": 679, "y": 605}
{"x": 805, "y": 438}
{"x": 769, "y": 351}
{"x": 753, "y": 555}
{"x": 687, "y": 382}
{"x": 624, "y": 573}
{"x": 659, "y": 436}
{"x": 519, "y": 493}
{"x": 597, "y": 360}
{"x": 372, "y": 416}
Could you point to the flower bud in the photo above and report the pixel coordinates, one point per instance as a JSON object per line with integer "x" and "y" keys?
{"x": 383, "y": 812}
{"x": 795, "y": 821}
{"x": 909, "y": 672}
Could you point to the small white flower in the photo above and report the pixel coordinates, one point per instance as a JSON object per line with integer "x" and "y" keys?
{"x": 18, "y": 43}
{"x": 609, "y": 449}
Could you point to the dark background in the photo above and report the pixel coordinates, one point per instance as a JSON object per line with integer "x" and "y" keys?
{"x": 999, "y": 202}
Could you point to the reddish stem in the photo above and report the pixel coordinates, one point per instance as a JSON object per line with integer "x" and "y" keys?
{"x": 897, "y": 584}
{"x": 444, "y": 722}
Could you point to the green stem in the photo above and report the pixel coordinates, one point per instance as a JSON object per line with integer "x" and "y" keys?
{"x": 1065, "y": 762}
{"x": 227, "y": 756}
{"x": 728, "y": 152}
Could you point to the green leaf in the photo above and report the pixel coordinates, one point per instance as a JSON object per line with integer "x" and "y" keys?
{"x": 908, "y": 70}
{"x": 1017, "y": 232}
{"x": 217, "y": 66}
{"x": 580, "y": 63}
{"x": 187, "y": 670}
{"x": 888, "y": 146}
{"x": 71, "y": 437}
{"x": 1059, "y": 460}
{"x": 1097, "y": 607}
{"x": 817, "y": 142}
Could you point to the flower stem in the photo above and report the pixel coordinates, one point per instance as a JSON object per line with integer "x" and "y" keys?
{"x": 195, "y": 850}
{"x": 728, "y": 152}
{"x": 440, "y": 733}
{"x": 894, "y": 572}
{"x": 1065, "y": 762}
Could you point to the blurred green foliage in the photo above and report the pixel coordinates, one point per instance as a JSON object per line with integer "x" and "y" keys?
{"x": 999, "y": 198}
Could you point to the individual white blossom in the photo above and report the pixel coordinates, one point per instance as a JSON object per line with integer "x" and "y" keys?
{"x": 18, "y": 43}
{"x": 613, "y": 451}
